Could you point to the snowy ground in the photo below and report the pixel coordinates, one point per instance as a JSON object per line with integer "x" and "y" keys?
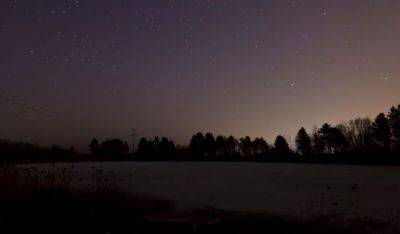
{"x": 297, "y": 190}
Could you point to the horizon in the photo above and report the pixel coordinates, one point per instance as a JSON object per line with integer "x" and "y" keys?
{"x": 290, "y": 140}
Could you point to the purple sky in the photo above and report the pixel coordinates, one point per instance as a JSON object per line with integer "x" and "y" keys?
{"x": 71, "y": 70}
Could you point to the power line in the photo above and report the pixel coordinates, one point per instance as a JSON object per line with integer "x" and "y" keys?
{"x": 17, "y": 117}
{"x": 23, "y": 103}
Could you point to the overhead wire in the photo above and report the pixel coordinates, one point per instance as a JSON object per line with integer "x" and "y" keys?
{"x": 25, "y": 104}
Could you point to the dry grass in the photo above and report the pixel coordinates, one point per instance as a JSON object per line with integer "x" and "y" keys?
{"x": 43, "y": 200}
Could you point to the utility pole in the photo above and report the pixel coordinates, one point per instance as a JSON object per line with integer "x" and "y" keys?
{"x": 134, "y": 135}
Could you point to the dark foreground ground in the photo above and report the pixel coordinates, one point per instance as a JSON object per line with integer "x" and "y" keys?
{"x": 37, "y": 200}
{"x": 59, "y": 211}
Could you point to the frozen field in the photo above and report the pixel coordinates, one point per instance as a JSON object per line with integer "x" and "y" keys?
{"x": 300, "y": 190}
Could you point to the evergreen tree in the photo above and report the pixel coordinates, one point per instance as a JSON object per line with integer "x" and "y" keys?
{"x": 197, "y": 146}
{"x": 145, "y": 148}
{"x": 333, "y": 139}
{"x": 381, "y": 131}
{"x": 156, "y": 145}
{"x": 231, "y": 145}
{"x": 114, "y": 147}
{"x": 94, "y": 147}
{"x": 166, "y": 149}
{"x": 245, "y": 145}
{"x": 303, "y": 142}
{"x": 281, "y": 146}
{"x": 260, "y": 146}
{"x": 317, "y": 142}
{"x": 220, "y": 146}
{"x": 394, "y": 119}
{"x": 210, "y": 145}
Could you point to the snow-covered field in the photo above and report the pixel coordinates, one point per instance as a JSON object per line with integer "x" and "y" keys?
{"x": 299, "y": 190}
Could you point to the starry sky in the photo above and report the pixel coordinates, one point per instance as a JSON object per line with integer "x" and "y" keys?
{"x": 74, "y": 69}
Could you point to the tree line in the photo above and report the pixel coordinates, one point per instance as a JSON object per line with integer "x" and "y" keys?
{"x": 10, "y": 150}
{"x": 361, "y": 135}
{"x": 360, "y": 140}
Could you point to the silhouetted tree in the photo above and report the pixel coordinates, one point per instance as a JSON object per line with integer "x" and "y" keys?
{"x": 126, "y": 147}
{"x": 381, "y": 131}
{"x": 303, "y": 142}
{"x": 337, "y": 140}
{"x": 55, "y": 149}
{"x": 231, "y": 145}
{"x": 172, "y": 148}
{"x": 355, "y": 136}
{"x": 394, "y": 119}
{"x": 325, "y": 134}
{"x": 156, "y": 144}
{"x": 197, "y": 147}
{"x": 220, "y": 145}
{"x": 146, "y": 148}
{"x": 210, "y": 145}
{"x": 181, "y": 152}
{"x": 22, "y": 151}
{"x": 362, "y": 127}
{"x": 333, "y": 139}
{"x": 167, "y": 148}
{"x": 260, "y": 146}
{"x": 164, "y": 146}
{"x": 114, "y": 147}
{"x": 95, "y": 147}
{"x": 317, "y": 142}
{"x": 245, "y": 145}
{"x": 358, "y": 134}
{"x": 142, "y": 146}
{"x": 281, "y": 146}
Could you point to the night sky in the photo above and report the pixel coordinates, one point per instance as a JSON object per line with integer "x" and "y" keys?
{"x": 71, "y": 70}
